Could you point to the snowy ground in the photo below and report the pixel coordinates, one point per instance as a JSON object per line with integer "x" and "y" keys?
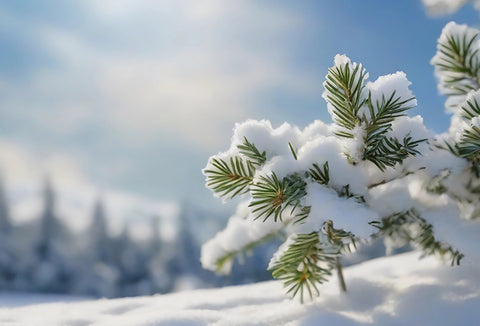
{"x": 399, "y": 290}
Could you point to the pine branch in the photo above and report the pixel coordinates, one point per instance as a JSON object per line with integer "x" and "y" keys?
{"x": 320, "y": 174}
{"x": 412, "y": 228}
{"x": 469, "y": 145}
{"x": 471, "y": 109}
{"x": 383, "y": 113}
{"x": 402, "y": 175}
{"x": 271, "y": 196}
{"x": 229, "y": 256}
{"x": 252, "y": 153}
{"x": 303, "y": 213}
{"x": 343, "y": 240}
{"x": 345, "y": 192}
{"x": 457, "y": 56}
{"x": 345, "y": 92}
{"x": 345, "y": 87}
{"x": 299, "y": 267}
{"x": 310, "y": 259}
{"x": 388, "y": 151}
{"x": 229, "y": 177}
{"x": 435, "y": 185}
{"x": 381, "y": 150}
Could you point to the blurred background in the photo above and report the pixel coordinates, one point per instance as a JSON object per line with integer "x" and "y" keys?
{"x": 110, "y": 109}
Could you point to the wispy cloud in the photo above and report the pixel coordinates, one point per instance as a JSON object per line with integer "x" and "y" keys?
{"x": 145, "y": 69}
{"x": 142, "y": 92}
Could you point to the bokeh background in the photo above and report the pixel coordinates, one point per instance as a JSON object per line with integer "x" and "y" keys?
{"x": 110, "y": 109}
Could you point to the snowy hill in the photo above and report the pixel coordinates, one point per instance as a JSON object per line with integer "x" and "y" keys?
{"x": 397, "y": 290}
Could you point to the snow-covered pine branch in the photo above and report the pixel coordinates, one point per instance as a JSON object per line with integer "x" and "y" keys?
{"x": 457, "y": 63}
{"x": 457, "y": 66}
{"x": 328, "y": 185}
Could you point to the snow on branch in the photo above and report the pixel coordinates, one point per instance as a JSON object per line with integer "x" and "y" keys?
{"x": 373, "y": 172}
{"x": 299, "y": 183}
{"x": 457, "y": 63}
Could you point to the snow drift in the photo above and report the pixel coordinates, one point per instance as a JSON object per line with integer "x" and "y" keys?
{"x": 397, "y": 290}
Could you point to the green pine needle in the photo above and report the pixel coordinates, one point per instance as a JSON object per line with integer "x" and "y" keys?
{"x": 400, "y": 225}
{"x": 252, "y": 153}
{"x": 231, "y": 177}
{"x": 320, "y": 174}
{"x": 469, "y": 145}
{"x": 459, "y": 58}
{"x": 228, "y": 257}
{"x": 383, "y": 113}
{"x": 293, "y": 151}
{"x": 388, "y": 151}
{"x": 298, "y": 268}
{"x": 310, "y": 259}
{"x": 471, "y": 109}
{"x": 345, "y": 89}
{"x": 271, "y": 196}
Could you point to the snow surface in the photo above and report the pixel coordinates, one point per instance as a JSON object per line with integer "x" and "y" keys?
{"x": 397, "y": 290}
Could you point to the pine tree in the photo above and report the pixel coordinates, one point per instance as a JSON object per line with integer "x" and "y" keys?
{"x": 158, "y": 272}
{"x": 48, "y": 222}
{"x": 54, "y": 270}
{"x": 100, "y": 240}
{"x": 328, "y": 187}
{"x": 5, "y": 222}
{"x": 7, "y": 250}
{"x": 184, "y": 249}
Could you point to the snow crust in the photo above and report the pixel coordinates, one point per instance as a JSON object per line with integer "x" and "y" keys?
{"x": 397, "y": 290}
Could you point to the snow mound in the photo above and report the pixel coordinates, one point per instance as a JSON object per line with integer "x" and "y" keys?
{"x": 397, "y": 290}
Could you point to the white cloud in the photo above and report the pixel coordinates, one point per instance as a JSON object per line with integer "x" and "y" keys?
{"x": 189, "y": 69}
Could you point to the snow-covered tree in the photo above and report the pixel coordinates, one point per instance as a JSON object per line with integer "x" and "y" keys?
{"x": 5, "y": 222}
{"x": 161, "y": 280}
{"x": 101, "y": 244}
{"x": 96, "y": 273}
{"x": 373, "y": 172}
{"x": 7, "y": 250}
{"x": 186, "y": 250}
{"x": 53, "y": 270}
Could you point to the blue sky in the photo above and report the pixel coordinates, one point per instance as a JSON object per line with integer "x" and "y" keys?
{"x": 138, "y": 94}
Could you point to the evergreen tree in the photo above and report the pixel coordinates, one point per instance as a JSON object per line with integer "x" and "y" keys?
{"x": 48, "y": 222}
{"x": 156, "y": 240}
{"x": 7, "y": 250}
{"x": 186, "y": 253}
{"x": 5, "y": 222}
{"x": 132, "y": 266}
{"x": 100, "y": 240}
{"x": 374, "y": 172}
{"x": 54, "y": 270}
{"x": 160, "y": 260}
